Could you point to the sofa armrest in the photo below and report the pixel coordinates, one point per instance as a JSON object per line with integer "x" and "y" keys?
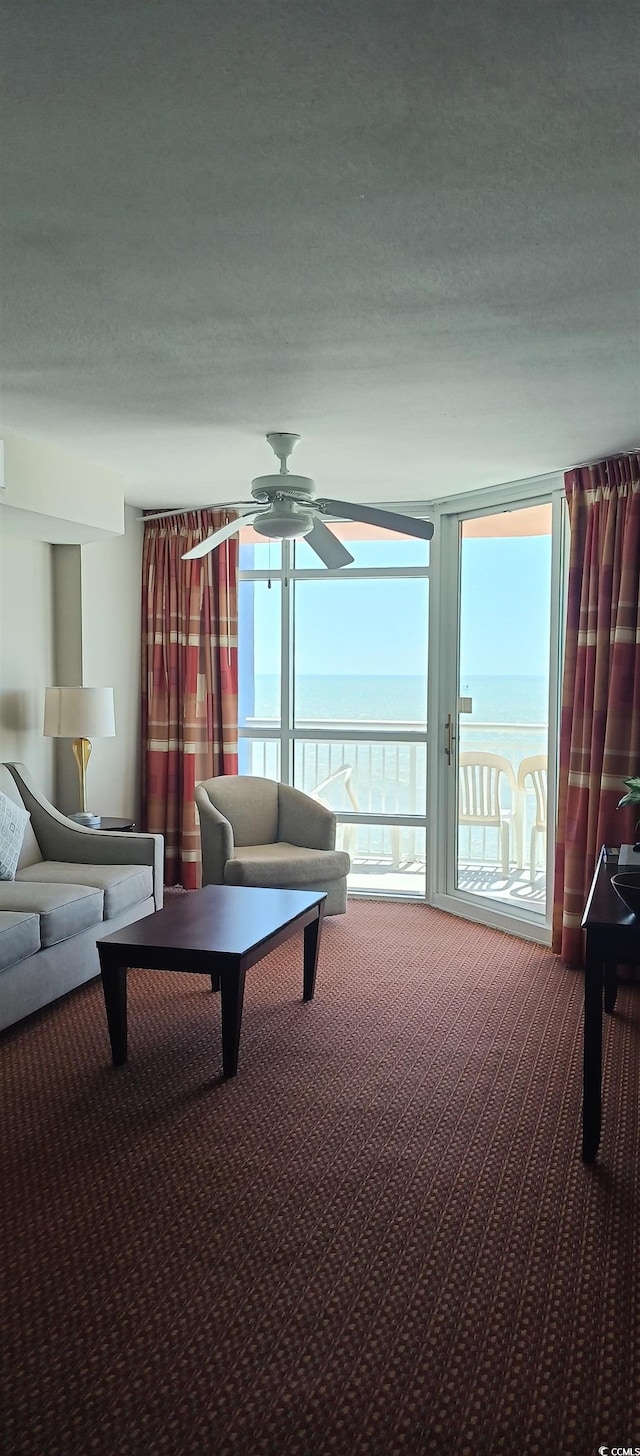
{"x": 303, "y": 821}
{"x": 60, "y": 838}
{"x": 216, "y": 839}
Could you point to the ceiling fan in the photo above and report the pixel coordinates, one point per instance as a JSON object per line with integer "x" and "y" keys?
{"x": 287, "y": 506}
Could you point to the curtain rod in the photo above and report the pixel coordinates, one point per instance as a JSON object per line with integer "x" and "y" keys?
{"x": 619, "y": 455}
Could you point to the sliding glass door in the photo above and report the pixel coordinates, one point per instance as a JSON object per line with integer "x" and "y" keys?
{"x": 499, "y": 695}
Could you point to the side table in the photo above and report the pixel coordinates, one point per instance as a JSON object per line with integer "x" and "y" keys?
{"x": 612, "y": 936}
{"x": 125, "y": 826}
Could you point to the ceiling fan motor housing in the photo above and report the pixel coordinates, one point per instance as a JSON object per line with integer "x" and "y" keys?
{"x": 265, "y": 487}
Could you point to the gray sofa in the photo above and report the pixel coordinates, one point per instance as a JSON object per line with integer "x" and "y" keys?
{"x": 72, "y": 886}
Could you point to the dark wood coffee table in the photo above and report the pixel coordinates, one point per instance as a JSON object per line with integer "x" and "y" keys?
{"x": 220, "y": 931}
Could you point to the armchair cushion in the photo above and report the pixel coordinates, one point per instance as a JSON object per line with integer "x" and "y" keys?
{"x": 269, "y": 866}
{"x": 250, "y": 805}
{"x": 304, "y": 821}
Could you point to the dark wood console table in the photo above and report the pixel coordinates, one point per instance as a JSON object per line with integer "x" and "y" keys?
{"x": 612, "y": 938}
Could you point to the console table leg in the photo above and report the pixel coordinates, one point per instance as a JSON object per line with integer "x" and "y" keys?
{"x": 610, "y": 985}
{"x": 114, "y": 986}
{"x": 311, "y": 950}
{"x": 231, "y": 1000}
{"x": 592, "y": 1093}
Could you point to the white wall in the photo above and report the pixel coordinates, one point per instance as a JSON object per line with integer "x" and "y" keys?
{"x": 26, "y": 654}
{"x": 67, "y": 665}
{"x": 55, "y": 496}
{"x": 110, "y": 586}
{"x": 71, "y": 615}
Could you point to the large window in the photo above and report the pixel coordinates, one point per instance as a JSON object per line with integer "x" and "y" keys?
{"x": 333, "y": 690}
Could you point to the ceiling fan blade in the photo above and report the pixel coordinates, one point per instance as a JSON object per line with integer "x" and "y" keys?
{"x": 390, "y": 520}
{"x": 327, "y": 547}
{"x": 185, "y": 510}
{"x": 210, "y": 542}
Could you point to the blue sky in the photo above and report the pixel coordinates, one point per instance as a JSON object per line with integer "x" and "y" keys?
{"x": 380, "y": 627}
{"x": 506, "y": 585}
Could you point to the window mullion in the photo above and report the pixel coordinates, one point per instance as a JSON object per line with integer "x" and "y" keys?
{"x": 286, "y": 667}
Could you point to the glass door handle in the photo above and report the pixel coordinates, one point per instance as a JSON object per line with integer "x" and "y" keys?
{"x": 449, "y": 738}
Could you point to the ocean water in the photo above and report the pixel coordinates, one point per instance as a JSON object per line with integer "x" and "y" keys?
{"x": 356, "y": 699}
{"x": 509, "y": 717}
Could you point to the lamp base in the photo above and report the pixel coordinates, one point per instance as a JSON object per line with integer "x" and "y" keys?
{"x": 91, "y": 821}
{"x": 81, "y": 749}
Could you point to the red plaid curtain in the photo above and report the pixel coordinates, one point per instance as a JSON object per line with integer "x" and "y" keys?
{"x": 189, "y": 679}
{"x": 600, "y": 723}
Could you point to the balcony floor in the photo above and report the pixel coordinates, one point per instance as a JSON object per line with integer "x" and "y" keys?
{"x": 379, "y": 877}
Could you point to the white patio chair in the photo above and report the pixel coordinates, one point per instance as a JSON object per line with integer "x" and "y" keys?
{"x": 487, "y": 797}
{"x": 325, "y": 793}
{"x": 532, "y": 778}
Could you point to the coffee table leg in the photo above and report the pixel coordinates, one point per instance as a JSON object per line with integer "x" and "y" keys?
{"x": 311, "y": 949}
{"x": 114, "y": 986}
{"x": 592, "y": 1091}
{"x": 231, "y": 999}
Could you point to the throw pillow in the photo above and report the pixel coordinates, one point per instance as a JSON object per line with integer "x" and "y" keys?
{"x": 13, "y": 822}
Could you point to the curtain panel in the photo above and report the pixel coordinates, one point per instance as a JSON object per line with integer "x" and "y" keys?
{"x": 600, "y": 721}
{"x": 189, "y": 679}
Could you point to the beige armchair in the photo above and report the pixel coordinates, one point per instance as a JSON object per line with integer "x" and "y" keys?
{"x": 257, "y": 832}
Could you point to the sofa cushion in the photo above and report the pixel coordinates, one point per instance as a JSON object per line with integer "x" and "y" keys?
{"x": 285, "y": 866}
{"x": 30, "y": 850}
{"x": 19, "y": 937}
{"x": 122, "y": 885}
{"x": 64, "y": 910}
{"x": 13, "y": 822}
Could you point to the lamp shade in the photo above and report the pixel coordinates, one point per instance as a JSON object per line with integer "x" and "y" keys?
{"x": 79, "y": 713}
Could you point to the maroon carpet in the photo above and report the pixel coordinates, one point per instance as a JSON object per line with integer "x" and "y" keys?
{"x": 379, "y": 1238}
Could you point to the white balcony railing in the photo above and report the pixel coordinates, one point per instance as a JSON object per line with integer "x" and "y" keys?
{"x": 385, "y": 776}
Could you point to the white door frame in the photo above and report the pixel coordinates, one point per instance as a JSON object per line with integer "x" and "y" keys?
{"x": 444, "y": 688}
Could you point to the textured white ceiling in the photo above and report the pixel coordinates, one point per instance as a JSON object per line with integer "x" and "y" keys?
{"x": 406, "y": 230}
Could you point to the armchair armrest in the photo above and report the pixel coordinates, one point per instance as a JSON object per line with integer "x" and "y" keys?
{"x": 216, "y": 838}
{"x": 60, "y": 838}
{"x": 303, "y": 821}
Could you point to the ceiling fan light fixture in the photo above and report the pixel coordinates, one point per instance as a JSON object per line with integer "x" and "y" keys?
{"x": 283, "y": 521}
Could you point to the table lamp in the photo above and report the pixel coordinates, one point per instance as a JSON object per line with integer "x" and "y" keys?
{"x": 80, "y": 714}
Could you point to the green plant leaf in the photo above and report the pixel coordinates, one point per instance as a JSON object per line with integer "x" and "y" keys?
{"x": 633, "y": 794}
